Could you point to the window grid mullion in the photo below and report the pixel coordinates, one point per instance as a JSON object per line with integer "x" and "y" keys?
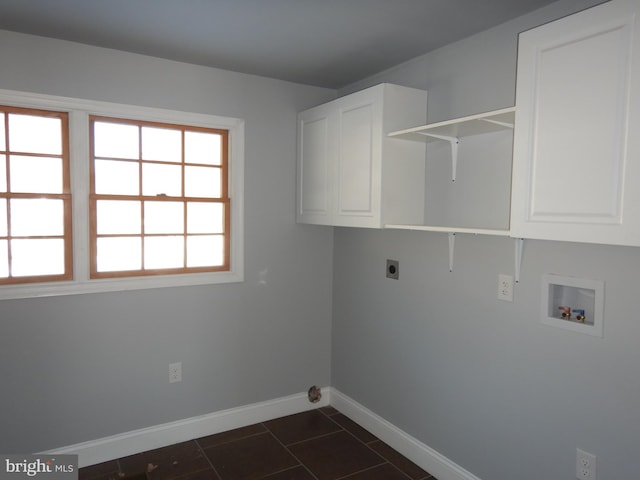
{"x": 140, "y": 194}
{"x": 183, "y": 162}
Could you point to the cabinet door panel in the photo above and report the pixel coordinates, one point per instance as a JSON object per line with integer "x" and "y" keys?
{"x": 356, "y": 158}
{"x": 314, "y": 169}
{"x": 577, "y": 175}
{"x": 576, "y": 98}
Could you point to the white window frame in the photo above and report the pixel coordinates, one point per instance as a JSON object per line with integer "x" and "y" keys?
{"x": 79, "y": 111}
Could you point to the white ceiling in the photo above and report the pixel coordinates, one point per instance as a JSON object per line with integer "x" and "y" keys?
{"x": 328, "y": 43}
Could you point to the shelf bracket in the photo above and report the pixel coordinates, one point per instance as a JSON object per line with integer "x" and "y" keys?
{"x": 454, "y": 157}
{"x": 519, "y": 247}
{"x": 496, "y": 122}
{"x": 452, "y": 244}
{"x": 453, "y": 142}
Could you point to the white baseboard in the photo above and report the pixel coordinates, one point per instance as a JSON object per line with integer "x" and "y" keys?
{"x": 136, "y": 441}
{"x": 425, "y": 457}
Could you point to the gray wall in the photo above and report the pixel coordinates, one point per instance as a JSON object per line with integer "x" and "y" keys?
{"x": 480, "y": 380}
{"x": 82, "y": 367}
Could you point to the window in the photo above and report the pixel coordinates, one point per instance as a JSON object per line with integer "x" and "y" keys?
{"x": 35, "y": 196}
{"x": 159, "y": 201}
{"x": 99, "y": 197}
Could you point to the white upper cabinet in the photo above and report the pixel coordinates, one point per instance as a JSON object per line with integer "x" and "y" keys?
{"x": 576, "y": 165}
{"x": 348, "y": 173}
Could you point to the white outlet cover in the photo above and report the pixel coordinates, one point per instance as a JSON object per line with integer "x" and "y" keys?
{"x": 175, "y": 372}
{"x": 585, "y": 465}
{"x": 505, "y": 287}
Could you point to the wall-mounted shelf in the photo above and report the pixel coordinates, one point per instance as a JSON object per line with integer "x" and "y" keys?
{"x": 473, "y": 231}
{"x": 452, "y": 130}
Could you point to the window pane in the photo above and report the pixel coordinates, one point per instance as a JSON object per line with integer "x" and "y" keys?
{"x": 202, "y": 182}
{"x": 37, "y": 257}
{"x": 161, "y": 180}
{"x": 202, "y": 147}
{"x": 3, "y": 217}
{"x": 205, "y": 217}
{"x": 3, "y": 146}
{"x": 4, "y": 259}
{"x": 118, "y": 217}
{"x": 3, "y": 173}
{"x": 163, "y": 252}
{"x": 33, "y": 134}
{"x": 42, "y": 216}
{"x": 35, "y": 174}
{"x": 115, "y": 140}
{"x": 205, "y": 251}
{"x": 162, "y": 144}
{"x": 117, "y": 178}
{"x": 163, "y": 217}
{"x": 119, "y": 254}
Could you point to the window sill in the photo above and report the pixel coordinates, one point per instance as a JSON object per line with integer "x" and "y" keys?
{"x": 33, "y": 290}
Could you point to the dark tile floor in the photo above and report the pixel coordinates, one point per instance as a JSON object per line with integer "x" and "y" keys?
{"x": 321, "y": 444}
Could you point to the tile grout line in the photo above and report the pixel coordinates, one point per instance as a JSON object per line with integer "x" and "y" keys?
{"x": 347, "y": 477}
{"x": 383, "y": 459}
{"x": 213, "y": 468}
{"x": 290, "y": 452}
{"x": 368, "y": 445}
{"x": 311, "y": 438}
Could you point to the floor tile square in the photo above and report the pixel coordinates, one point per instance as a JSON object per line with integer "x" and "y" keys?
{"x": 99, "y": 471}
{"x": 250, "y": 458}
{"x": 168, "y": 462}
{"x": 353, "y": 428}
{"x": 328, "y": 410}
{"x": 335, "y": 455}
{"x": 382, "y": 472}
{"x": 201, "y": 475}
{"x": 399, "y": 461}
{"x": 231, "y": 435}
{"x": 297, "y": 473}
{"x": 301, "y": 426}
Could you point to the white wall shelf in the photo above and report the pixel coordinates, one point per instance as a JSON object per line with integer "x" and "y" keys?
{"x": 452, "y": 130}
{"x": 431, "y": 228}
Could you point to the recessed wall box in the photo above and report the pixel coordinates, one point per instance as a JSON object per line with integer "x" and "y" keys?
{"x": 573, "y": 303}
{"x": 393, "y": 269}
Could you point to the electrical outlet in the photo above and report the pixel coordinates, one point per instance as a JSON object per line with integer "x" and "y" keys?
{"x": 175, "y": 372}
{"x": 585, "y": 465}
{"x": 505, "y": 287}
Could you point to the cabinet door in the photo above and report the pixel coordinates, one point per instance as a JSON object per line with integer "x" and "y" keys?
{"x": 315, "y": 166}
{"x": 359, "y": 156}
{"x": 576, "y": 141}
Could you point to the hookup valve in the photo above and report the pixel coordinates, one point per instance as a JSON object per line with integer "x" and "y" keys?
{"x": 580, "y": 315}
